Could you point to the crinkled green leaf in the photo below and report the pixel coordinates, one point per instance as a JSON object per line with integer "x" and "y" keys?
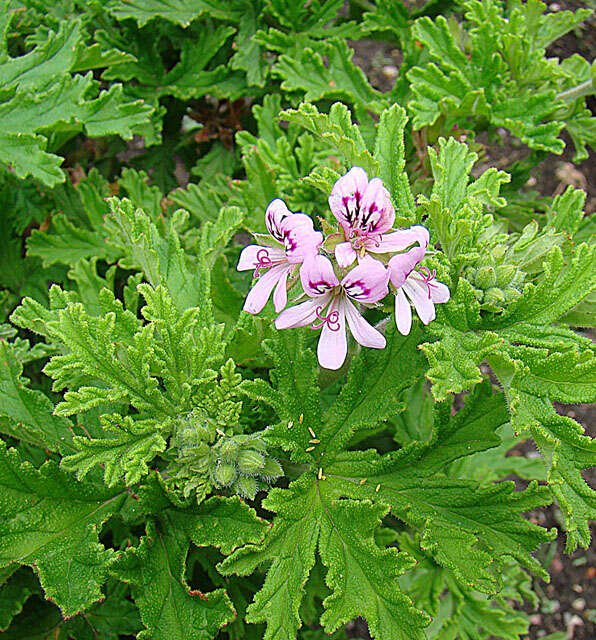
{"x": 50, "y": 523}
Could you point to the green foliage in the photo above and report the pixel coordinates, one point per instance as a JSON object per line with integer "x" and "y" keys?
{"x": 146, "y": 419}
{"x": 502, "y": 56}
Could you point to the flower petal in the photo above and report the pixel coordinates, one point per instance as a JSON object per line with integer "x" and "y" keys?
{"x": 367, "y": 282}
{"x": 257, "y": 297}
{"x": 403, "y": 313}
{"x": 363, "y": 331}
{"x": 401, "y": 265}
{"x": 346, "y": 196}
{"x": 333, "y": 345}
{"x": 300, "y": 239}
{"x": 254, "y": 256}
{"x": 376, "y": 213}
{"x": 400, "y": 240}
{"x": 299, "y": 315}
{"x": 418, "y": 293}
{"x": 276, "y": 212}
{"x": 317, "y": 276}
{"x": 345, "y": 254}
{"x": 439, "y": 292}
{"x": 280, "y": 295}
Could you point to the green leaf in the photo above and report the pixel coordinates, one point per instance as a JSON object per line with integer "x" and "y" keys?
{"x": 290, "y": 549}
{"x": 295, "y": 398}
{"x": 124, "y": 455}
{"x": 169, "y": 609}
{"x": 372, "y": 391}
{"x": 390, "y": 154}
{"x": 159, "y": 257}
{"x": 337, "y": 130}
{"x": 340, "y": 78}
{"x": 363, "y": 577}
{"x": 28, "y": 414}
{"x": 26, "y": 154}
{"x": 94, "y": 355}
{"x": 177, "y": 11}
{"x": 452, "y": 514}
{"x": 564, "y": 446}
{"x": 50, "y": 523}
{"x": 14, "y": 592}
{"x": 565, "y": 284}
{"x": 566, "y": 376}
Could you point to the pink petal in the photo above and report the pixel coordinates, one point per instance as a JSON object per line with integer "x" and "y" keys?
{"x": 346, "y": 195}
{"x": 377, "y": 214}
{"x": 418, "y": 294}
{"x": 345, "y": 254}
{"x": 300, "y": 239}
{"x": 367, "y": 282}
{"x": 257, "y": 297}
{"x": 403, "y": 313}
{"x": 440, "y": 292}
{"x": 333, "y": 345}
{"x": 276, "y": 212}
{"x": 400, "y": 240}
{"x": 300, "y": 315}
{"x": 317, "y": 276}
{"x": 401, "y": 265}
{"x": 364, "y": 332}
{"x": 280, "y": 295}
{"x": 252, "y": 255}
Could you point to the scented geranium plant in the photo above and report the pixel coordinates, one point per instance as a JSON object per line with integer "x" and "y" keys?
{"x": 207, "y": 435}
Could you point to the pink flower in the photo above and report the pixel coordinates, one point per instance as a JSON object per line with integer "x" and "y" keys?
{"x": 332, "y": 303}
{"x": 365, "y": 213}
{"x": 418, "y": 285}
{"x": 295, "y": 241}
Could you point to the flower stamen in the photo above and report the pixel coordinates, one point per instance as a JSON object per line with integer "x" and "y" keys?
{"x": 331, "y": 320}
{"x": 263, "y": 262}
{"x": 427, "y": 278}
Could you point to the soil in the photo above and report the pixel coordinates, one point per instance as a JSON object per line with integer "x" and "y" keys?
{"x": 568, "y": 602}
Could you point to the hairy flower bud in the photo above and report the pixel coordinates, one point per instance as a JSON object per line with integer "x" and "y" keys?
{"x": 485, "y": 278}
{"x": 246, "y": 487}
{"x": 225, "y": 474}
{"x": 250, "y": 462}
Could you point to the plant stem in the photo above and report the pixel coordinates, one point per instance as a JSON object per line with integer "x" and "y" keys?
{"x": 584, "y": 89}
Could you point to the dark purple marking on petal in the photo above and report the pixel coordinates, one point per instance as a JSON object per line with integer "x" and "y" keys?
{"x": 357, "y": 289}
{"x": 320, "y": 286}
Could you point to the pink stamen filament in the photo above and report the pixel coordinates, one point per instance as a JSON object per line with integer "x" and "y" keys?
{"x": 427, "y": 278}
{"x": 263, "y": 262}
{"x": 331, "y": 320}
{"x": 361, "y": 239}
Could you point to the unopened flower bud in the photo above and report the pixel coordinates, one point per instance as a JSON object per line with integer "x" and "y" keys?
{"x": 246, "y": 487}
{"x": 228, "y": 450}
{"x": 485, "y": 278}
{"x": 271, "y": 470}
{"x": 494, "y": 296}
{"x": 505, "y": 274}
{"x": 250, "y": 462}
{"x": 225, "y": 474}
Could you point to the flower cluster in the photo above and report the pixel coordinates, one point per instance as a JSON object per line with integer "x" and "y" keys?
{"x": 336, "y": 291}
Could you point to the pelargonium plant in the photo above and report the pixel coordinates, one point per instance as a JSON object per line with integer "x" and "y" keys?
{"x": 369, "y": 422}
{"x": 385, "y": 258}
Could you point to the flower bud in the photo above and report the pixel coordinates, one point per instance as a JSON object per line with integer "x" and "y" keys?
{"x": 228, "y": 450}
{"x": 225, "y": 474}
{"x": 250, "y": 462}
{"x": 246, "y": 487}
{"x": 505, "y": 274}
{"x": 494, "y": 296}
{"x": 271, "y": 470}
{"x": 485, "y": 278}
